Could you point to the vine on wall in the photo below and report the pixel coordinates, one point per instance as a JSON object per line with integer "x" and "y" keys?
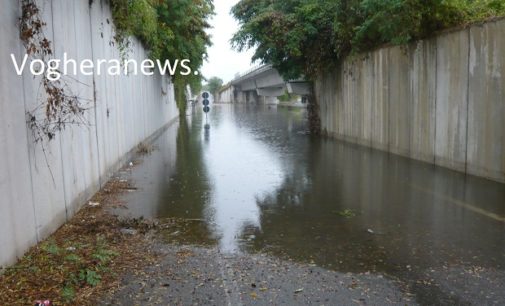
{"x": 61, "y": 107}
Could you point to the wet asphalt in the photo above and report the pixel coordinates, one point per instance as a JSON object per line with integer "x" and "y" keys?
{"x": 190, "y": 275}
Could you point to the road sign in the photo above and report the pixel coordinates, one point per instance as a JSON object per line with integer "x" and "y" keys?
{"x": 206, "y": 109}
{"x": 205, "y": 102}
{"x": 205, "y": 95}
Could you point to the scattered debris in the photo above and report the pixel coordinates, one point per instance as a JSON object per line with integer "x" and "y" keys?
{"x": 128, "y": 231}
{"x": 370, "y": 231}
{"x": 93, "y": 204}
{"x": 144, "y": 148}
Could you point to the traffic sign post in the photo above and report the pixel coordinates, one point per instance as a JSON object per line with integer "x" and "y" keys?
{"x": 206, "y": 102}
{"x": 206, "y": 110}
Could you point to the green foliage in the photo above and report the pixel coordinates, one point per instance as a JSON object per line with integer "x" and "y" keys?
{"x": 310, "y": 36}
{"x": 287, "y": 97}
{"x": 170, "y": 30}
{"x": 90, "y": 277}
{"x": 103, "y": 255}
{"x": 51, "y": 247}
{"x": 346, "y": 213}
{"x": 180, "y": 93}
{"x": 135, "y": 18}
{"x": 73, "y": 258}
{"x": 68, "y": 293}
{"x": 83, "y": 263}
{"x": 214, "y": 84}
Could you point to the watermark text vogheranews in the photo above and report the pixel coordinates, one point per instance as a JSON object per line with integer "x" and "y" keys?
{"x": 56, "y": 68}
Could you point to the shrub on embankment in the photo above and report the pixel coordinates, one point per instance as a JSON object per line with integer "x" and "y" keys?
{"x": 307, "y": 37}
{"x": 170, "y": 30}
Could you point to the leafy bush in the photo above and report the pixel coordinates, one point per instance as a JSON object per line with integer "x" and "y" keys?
{"x": 90, "y": 277}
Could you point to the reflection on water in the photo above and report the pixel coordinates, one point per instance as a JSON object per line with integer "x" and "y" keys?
{"x": 260, "y": 183}
{"x": 242, "y": 171}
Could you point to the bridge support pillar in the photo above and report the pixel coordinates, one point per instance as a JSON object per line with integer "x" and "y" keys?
{"x": 299, "y": 88}
{"x": 271, "y": 91}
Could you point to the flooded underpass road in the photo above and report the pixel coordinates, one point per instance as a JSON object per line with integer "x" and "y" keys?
{"x": 253, "y": 181}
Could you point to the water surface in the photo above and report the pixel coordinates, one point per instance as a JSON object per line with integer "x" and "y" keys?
{"x": 255, "y": 181}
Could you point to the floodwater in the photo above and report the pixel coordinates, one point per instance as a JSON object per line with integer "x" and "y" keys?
{"x": 253, "y": 180}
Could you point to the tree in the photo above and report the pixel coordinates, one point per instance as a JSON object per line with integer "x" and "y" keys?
{"x": 306, "y": 37}
{"x": 298, "y": 37}
{"x": 213, "y": 85}
{"x": 170, "y": 30}
{"x": 187, "y": 20}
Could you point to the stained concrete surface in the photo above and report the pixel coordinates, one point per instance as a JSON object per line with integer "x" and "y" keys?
{"x": 441, "y": 100}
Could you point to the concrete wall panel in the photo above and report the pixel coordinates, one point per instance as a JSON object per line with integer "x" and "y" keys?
{"x": 400, "y": 115}
{"x": 380, "y": 98}
{"x": 367, "y": 97}
{"x": 348, "y": 100}
{"x": 17, "y": 218}
{"x": 357, "y": 123}
{"x": 452, "y": 100}
{"x": 226, "y": 95}
{"x": 45, "y": 157}
{"x": 423, "y": 90}
{"x": 339, "y": 105}
{"x": 64, "y": 42}
{"x": 327, "y": 108}
{"x": 486, "y": 105}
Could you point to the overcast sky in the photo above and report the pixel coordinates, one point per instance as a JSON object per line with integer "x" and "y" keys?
{"x": 224, "y": 62}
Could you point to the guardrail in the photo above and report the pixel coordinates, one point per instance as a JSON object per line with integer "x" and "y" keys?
{"x": 251, "y": 70}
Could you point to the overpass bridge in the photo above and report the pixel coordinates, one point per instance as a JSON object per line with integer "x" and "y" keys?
{"x": 261, "y": 84}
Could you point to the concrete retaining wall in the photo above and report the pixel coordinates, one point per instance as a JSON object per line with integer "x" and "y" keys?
{"x": 39, "y": 192}
{"x": 226, "y": 95}
{"x": 441, "y": 100}
{"x": 232, "y": 95}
